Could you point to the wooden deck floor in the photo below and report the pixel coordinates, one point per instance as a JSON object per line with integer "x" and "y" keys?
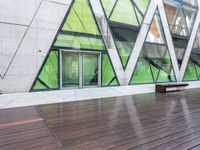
{"x": 139, "y": 122}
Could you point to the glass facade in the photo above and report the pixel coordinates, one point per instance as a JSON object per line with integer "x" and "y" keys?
{"x": 90, "y": 69}
{"x": 181, "y": 16}
{"x": 70, "y": 69}
{"x": 79, "y": 32}
{"x": 78, "y": 56}
{"x": 154, "y": 63}
{"x": 125, "y": 18}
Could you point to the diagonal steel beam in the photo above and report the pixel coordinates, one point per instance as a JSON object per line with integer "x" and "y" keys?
{"x": 108, "y": 39}
{"x": 168, "y": 37}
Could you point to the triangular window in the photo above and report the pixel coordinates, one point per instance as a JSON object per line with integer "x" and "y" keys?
{"x": 79, "y": 31}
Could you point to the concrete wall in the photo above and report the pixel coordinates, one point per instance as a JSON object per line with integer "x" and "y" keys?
{"x": 26, "y": 26}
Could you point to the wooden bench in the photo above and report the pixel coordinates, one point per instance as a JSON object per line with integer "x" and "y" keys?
{"x": 164, "y": 88}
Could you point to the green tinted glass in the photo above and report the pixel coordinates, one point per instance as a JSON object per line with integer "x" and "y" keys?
{"x": 39, "y": 86}
{"x": 154, "y": 64}
{"x": 142, "y": 5}
{"x": 108, "y": 6}
{"x": 124, "y": 51}
{"x": 124, "y": 13}
{"x": 49, "y": 73}
{"x": 155, "y": 72}
{"x": 142, "y": 73}
{"x": 78, "y": 42}
{"x": 90, "y": 69}
{"x": 190, "y": 73}
{"x": 193, "y": 67}
{"x": 108, "y": 74}
{"x": 124, "y": 39}
{"x": 125, "y": 18}
{"x": 114, "y": 82}
{"x": 70, "y": 69}
{"x": 81, "y": 19}
{"x": 163, "y": 76}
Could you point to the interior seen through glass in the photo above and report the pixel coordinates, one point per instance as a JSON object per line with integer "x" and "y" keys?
{"x": 79, "y": 69}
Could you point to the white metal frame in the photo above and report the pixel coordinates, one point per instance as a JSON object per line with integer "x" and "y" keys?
{"x": 168, "y": 38}
{"x": 81, "y": 84}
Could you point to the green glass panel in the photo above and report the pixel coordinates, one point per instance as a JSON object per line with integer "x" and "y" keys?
{"x": 198, "y": 71}
{"x": 78, "y": 42}
{"x": 90, "y": 69}
{"x": 155, "y": 54}
{"x": 127, "y": 13}
{"x": 190, "y": 73}
{"x": 124, "y": 51}
{"x": 114, "y": 82}
{"x": 70, "y": 69}
{"x": 81, "y": 19}
{"x": 108, "y": 74}
{"x": 142, "y": 73}
{"x": 49, "y": 72}
{"x": 39, "y": 86}
{"x": 108, "y": 6}
{"x": 124, "y": 39}
{"x": 142, "y": 5}
{"x": 163, "y": 77}
{"x": 155, "y": 72}
{"x": 180, "y": 46}
{"x": 124, "y": 13}
{"x": 166, "y": 65}
{"x": 139, "y": 16}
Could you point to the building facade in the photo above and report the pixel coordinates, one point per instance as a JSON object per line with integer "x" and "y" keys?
{"x": 61, "y": 44}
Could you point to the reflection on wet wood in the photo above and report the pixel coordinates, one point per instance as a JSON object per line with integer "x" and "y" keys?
{"x": 147, "y": 121}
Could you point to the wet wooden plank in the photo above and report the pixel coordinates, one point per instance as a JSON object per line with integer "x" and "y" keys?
{"x": 23, "y": 128}
{"x": 131, "y": 122}
{"x": 146, "y": 121}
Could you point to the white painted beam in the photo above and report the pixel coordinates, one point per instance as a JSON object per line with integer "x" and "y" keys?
{"x": 108, "y": 39}
{"x": 168, "y": 38}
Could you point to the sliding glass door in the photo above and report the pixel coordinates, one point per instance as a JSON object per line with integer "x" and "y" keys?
{"x": 80, "y": 69}
{"x": 90, "y": 69}
{"x": 70, "y": 69}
